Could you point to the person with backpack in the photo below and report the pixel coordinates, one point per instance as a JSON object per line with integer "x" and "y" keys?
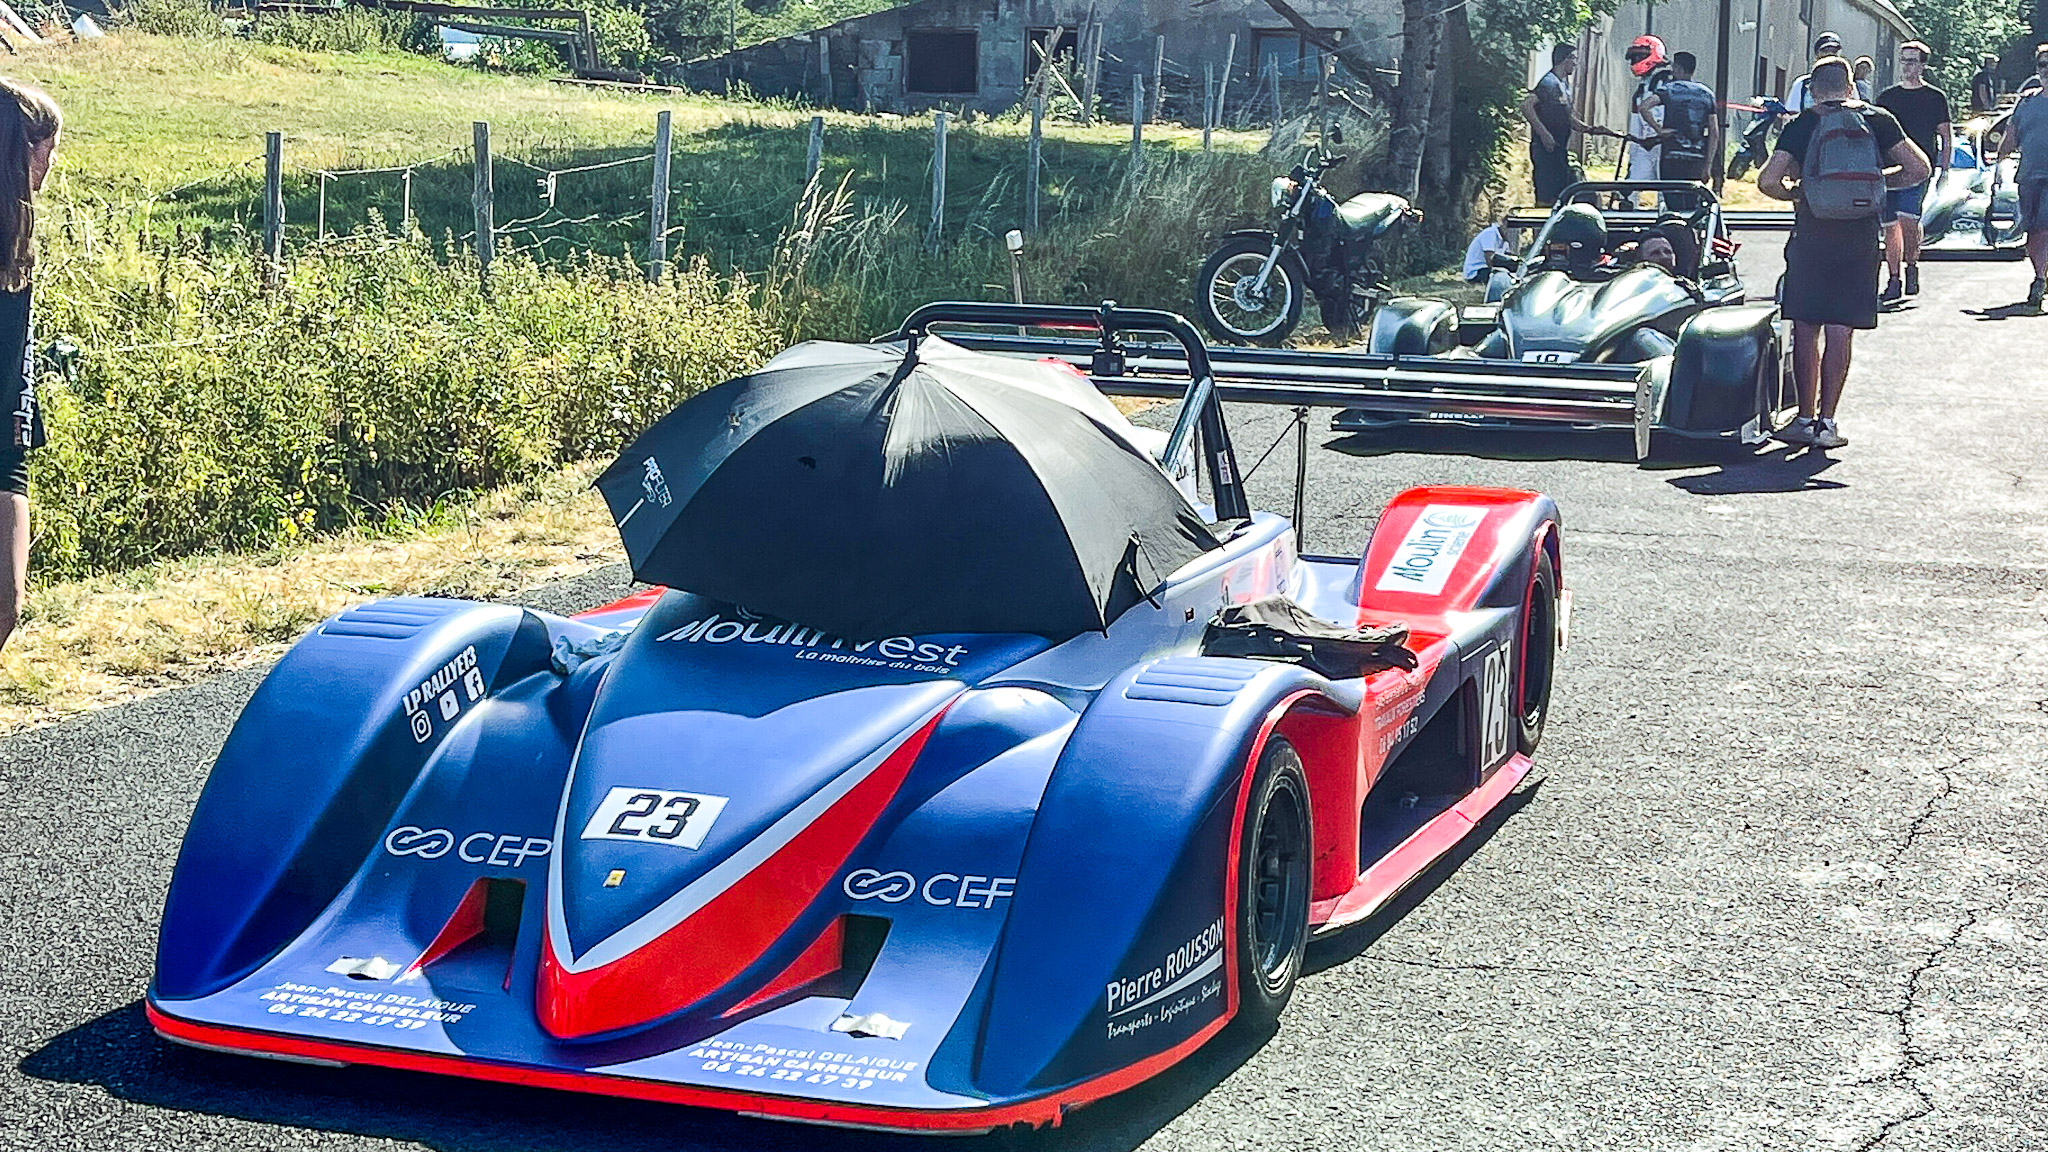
{"x": 1692, "y": 123}
{"x": 1799, "y": 97}
{"x": 1834, "y": 164}
{"x": 2028, "y": 134}
{"x": 1923, "y": 111}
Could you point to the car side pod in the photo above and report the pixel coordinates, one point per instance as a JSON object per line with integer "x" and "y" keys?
{"x": 1726, "y": 375}
{"x": 316, "y": 766}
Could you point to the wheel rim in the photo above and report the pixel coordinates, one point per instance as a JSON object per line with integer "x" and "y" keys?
{"x": 1239, "y": 306}
{"x": 1280, "y": 884}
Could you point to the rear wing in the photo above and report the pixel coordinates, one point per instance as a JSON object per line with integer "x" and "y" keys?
{"x": 1589, "y": 395}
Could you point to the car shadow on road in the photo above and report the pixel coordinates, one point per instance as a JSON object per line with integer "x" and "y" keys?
{"x": 1345, "y": 946}
{"x": 1778, "y": 470}
{"x": 1523, "y": 444}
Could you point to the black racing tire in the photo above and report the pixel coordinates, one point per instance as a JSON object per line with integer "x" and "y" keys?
{"x": 1238, "y": 258}
{"x": 1539, "y": 654}
{"x": 1276, "y": 850}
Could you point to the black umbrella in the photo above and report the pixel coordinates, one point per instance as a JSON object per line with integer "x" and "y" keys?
{"x": 881, "y": 489}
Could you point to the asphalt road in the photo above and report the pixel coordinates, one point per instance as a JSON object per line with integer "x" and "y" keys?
{"x": 1778, "y": 884}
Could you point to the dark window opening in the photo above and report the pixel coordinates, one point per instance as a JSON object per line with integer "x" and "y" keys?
{"x": 1291, "y": 55}
{"x": 940, "y": 63}
{"x": 1069, "y": 46}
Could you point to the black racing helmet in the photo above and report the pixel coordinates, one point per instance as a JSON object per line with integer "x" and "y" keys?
{"x": 1581, "y": 228}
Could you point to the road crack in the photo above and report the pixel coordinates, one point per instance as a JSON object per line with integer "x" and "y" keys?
{"x": 1918, "y": 824}
{"x": 1912, "y": 1058}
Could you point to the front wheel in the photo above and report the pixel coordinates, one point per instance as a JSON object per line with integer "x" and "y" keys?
{"x": 1232, "y": 304}
{"x": 1539, "y": 654}
{"x": 1273, "y": 886}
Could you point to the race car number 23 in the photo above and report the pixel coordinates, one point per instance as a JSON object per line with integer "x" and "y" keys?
{"x": 654, "y": 816}
{"x": 1497, "y": 719}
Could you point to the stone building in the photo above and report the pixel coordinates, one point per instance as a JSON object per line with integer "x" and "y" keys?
{"x": 978, "y": 53}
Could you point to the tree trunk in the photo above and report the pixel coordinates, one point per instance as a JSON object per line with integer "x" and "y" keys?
{"x": 1439, "y": 163}
{"x": 1422, "y": 33}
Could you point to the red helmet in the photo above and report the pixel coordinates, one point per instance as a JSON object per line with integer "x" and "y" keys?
{"x": 1645, "y": 53}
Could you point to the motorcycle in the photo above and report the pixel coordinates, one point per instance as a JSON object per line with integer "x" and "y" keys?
{"x": 1756, "y": 139}
{"x": 1252, "y": 287}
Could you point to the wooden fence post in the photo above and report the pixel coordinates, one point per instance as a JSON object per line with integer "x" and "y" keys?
{"x": 1032, "y": 155}
{"x": 1323, "y": 65}
{"x": 938, "y": 227}
{"x": 1223, "y": 88}
{"x": 815, "y": 157}
{"x": 273, "y": 207}
{"x": 1137, "y": 121}
{"x": 480, "y": 200}
{"x": 657, "y": 208}
{"x": 1273, "y": 74}
{"x": 405, "y": 203}
{"x": 1208, "y": 104}
{"x": 1091, "y": 74}
{"x": 320, "y": 209}
{"x": 1158, "y": 76}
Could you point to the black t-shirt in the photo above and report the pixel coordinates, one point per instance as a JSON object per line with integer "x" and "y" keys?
{"x": 1799, "y": 133}
{"x": 1921, "y": 112}
{"x": 1983, "y": 91}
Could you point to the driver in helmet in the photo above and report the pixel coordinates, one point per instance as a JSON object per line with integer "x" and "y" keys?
{"x": 1652, "y": 69}
{"x": 1576, "y": 242}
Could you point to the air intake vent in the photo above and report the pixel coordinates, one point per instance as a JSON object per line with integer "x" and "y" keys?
{"x": 1185, "y": 681}
{"x": 389, "y": 619}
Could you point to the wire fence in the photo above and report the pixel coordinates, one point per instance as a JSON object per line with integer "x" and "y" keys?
{"x": 632, "y": 204}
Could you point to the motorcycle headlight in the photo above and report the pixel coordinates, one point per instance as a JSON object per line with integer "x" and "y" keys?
{"x": 1282, "y": 189}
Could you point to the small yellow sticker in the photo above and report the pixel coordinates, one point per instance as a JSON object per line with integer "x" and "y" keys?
{"x": 617, "y": 875}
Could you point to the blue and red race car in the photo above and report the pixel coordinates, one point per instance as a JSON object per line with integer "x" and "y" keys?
{"x": 674, "y": 850}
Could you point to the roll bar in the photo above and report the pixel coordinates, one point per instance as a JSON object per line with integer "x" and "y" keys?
{"x": 1200, "y": 409}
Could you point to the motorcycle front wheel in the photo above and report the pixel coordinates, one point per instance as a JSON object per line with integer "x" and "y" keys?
{"x": 1231, "y": 304}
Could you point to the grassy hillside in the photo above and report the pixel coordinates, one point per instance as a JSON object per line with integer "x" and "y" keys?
{"x": 200, "y": 411}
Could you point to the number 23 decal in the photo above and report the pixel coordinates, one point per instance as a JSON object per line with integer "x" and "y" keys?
{"x": 654, "y": 816}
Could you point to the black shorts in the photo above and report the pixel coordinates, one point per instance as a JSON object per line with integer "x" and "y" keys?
{"x": 13, "y": 471}
{"x": 1831, "y": 272}
{"x": 1683, "y": 168}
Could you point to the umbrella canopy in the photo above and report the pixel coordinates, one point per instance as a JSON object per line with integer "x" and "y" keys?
{"x": 882, "y": 490}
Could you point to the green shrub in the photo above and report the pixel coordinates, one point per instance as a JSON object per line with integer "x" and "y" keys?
{"x": 349, "y": 30}
{"x": 210, "y": 414}
{"x": 169, "y": 17}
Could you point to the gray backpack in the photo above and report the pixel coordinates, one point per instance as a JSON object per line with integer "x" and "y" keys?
{"x": 1842, "y": 174}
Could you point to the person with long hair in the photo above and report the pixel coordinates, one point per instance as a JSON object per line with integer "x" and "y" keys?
{"x": 29, "y": 123}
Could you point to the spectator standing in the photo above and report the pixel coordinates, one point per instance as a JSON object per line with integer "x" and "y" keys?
{"x": 29, "y": 123}
{"x": 1691, "y": 124}
{"x": 1831, "y": 162}
{"x": 1652, "y": 71}
{"x": 1866, "y": 70}
{"x": 1797, "y": 99}
{"x": 1923, "y": 111}
{"x": 1984, "y": 85}
{"x": 2028, "y": 132}
{"x": 1548, "y": 110}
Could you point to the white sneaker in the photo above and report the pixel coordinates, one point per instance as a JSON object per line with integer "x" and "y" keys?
{"x": 1799, "y": 432}
{"x": 1827, "y": 435}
